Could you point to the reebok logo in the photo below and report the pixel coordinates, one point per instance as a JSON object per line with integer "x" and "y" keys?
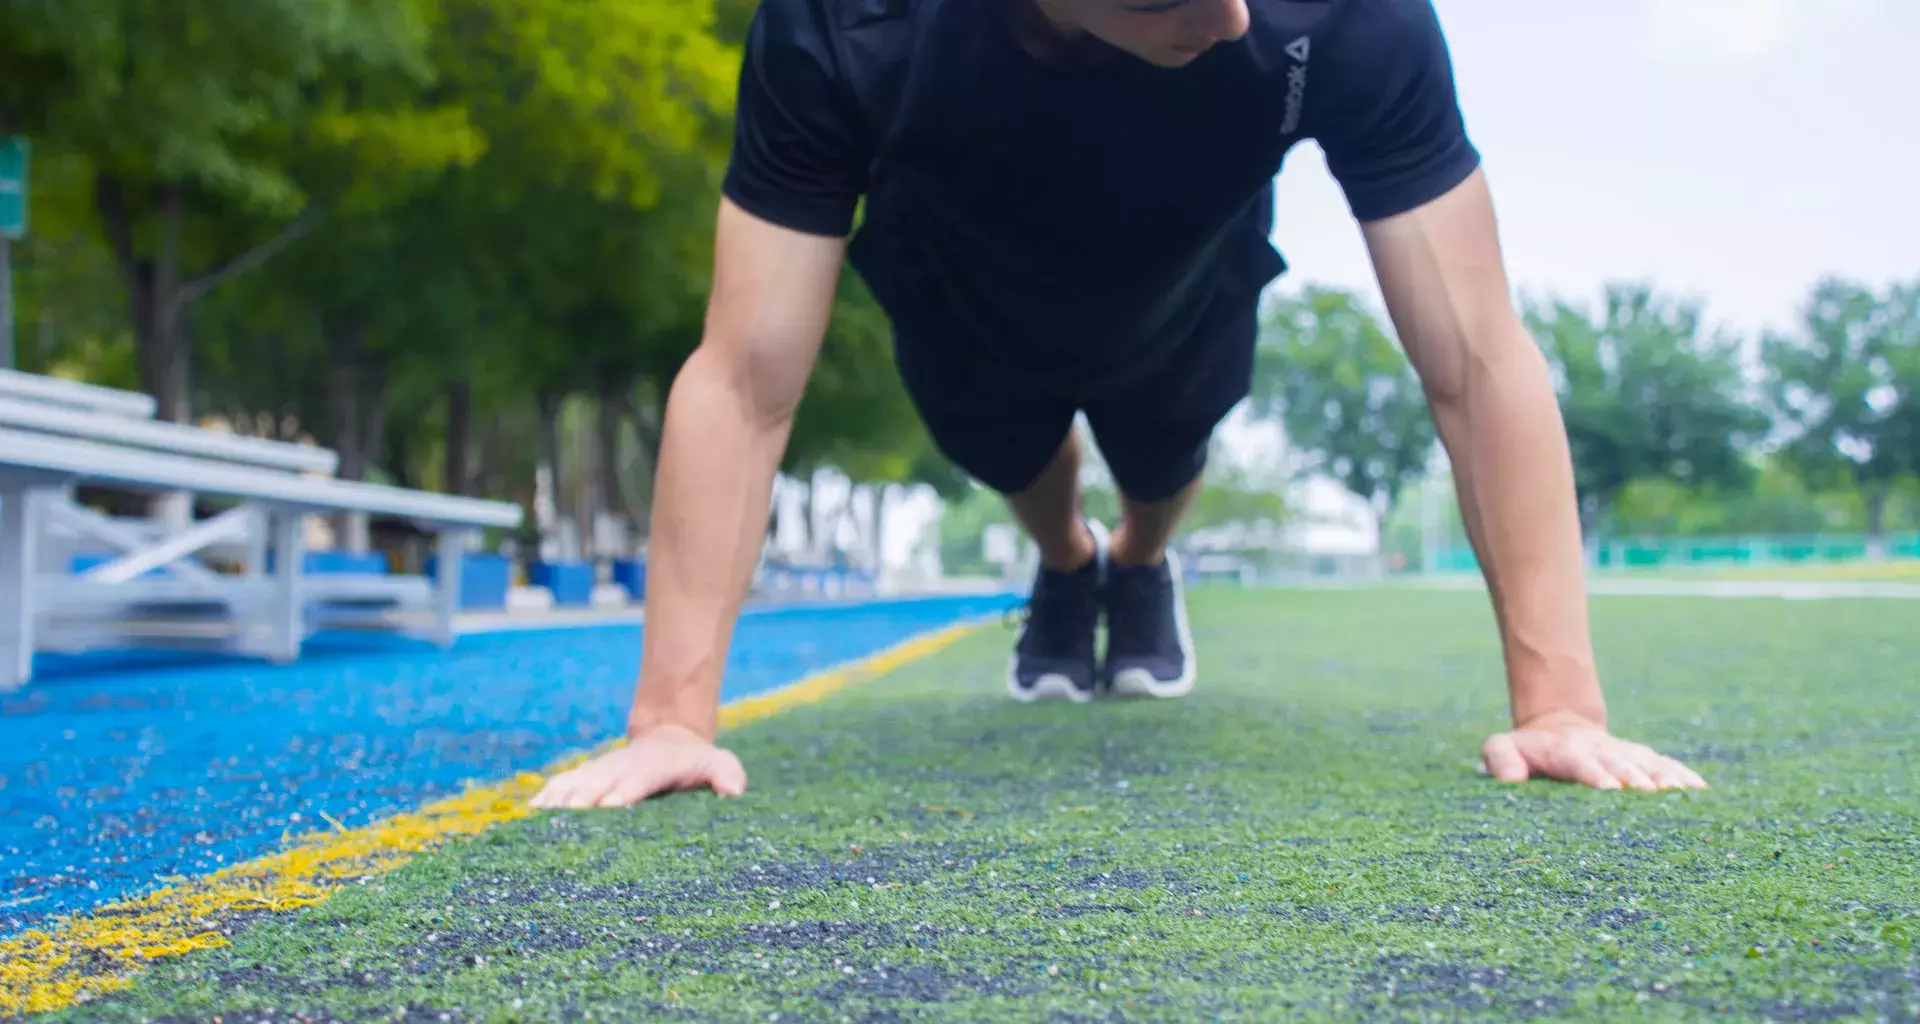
{"x": 1296, "y": 85}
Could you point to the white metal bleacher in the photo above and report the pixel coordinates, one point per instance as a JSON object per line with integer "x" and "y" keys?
{"x": 169, "y": 438}
{"x": 45, "y": 450}
{"x": 23, "y": 405}
{"x": 70, "y": 394}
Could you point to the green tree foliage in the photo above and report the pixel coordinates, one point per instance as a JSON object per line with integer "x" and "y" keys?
{"x": 421, "y": 232}
{"x": 1645, "y": 392}
{"x": 1845, "y": 390}
{"x": 188, "y": 118}
{"x": 1230, "y": 493}
{"x": 963, "y": 523}
{"x": 1348, "y": 397}
{"x": 1777, "y": 500}
{"x": 1233, "y": 495}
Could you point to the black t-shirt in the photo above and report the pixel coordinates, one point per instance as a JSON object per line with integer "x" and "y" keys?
{"x": 1070, "y": 217}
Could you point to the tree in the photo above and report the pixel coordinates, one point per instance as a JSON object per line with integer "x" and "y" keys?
{"x": 185, "y": 116}
{"x": 557, "y": 247}
{"x": 1231, "y": 495}
{"x": 1845, "y": 391}
{"x": 1348, "y": 397}
{"x": 1645, "y": 392}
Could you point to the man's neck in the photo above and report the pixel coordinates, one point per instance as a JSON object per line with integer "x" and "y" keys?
{"x": 1051, "y": 35}
{"x": 1056, "y": 19}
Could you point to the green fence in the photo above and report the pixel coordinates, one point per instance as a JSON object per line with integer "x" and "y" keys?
{"x": 1707, "y": 552}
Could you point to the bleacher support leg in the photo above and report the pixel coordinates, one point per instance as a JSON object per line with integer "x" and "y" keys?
{"x": 452, "y": 546}
{"x": 288, "y": 628}
{"x": 18, "y": 512}
{"x": 259, "y": 538}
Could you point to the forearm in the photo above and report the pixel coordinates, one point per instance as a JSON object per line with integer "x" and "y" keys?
{"x": 718, "y": 457}
{"x": 1514, "y": 476}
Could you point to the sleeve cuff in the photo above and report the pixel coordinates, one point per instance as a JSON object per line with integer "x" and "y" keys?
{"x": 825, "y": 216}
{"x": 1434, "y": 181}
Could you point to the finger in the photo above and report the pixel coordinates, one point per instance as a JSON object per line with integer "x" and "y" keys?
{"x": 726, "y": 774}
{"x": 1688, "y": 776}
{"x": 554, "y": 791}
{"x": 1503, "y": 760}
{"x": 588, "y": 790}
{"x": 1622, "y": 766}
{"x": 1665, "y": 771}
{"x": 1584, "y": 766}
{"x": 628, "y": 791}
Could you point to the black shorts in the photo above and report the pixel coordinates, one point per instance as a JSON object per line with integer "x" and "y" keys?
{"x": 1152, "y": 430}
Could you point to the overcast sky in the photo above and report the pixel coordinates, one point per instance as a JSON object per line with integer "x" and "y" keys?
{"x": 1731, "y": 149}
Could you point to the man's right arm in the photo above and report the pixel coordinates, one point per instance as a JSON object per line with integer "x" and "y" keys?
{"x": 728, "y": 418}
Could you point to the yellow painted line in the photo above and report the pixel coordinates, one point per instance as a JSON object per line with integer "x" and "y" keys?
{"x": 101, "y": 951}
{"x": 819, "y": 687}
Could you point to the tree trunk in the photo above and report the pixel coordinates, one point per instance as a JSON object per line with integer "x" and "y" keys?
{"x": 879, "y": 494}
{"x": 373, "y": 403}
{"x": 807, "y": 526}
{"x": 162, "y": 348}
{"x": 610, "y": 410}
{"x": 550, "y": 467}
{"x": 1593, "y": 515}
{"x": 459, "y": 435}
{"x": 586, "y": 487}
{"x": 159, "y": 298}
{"x": 343, "y": 397}
{"x": 1382, "y": 514}
{"x": 1876, "y": 498}
{"x": 356, "y": 400}
{"x": 637, "y": 490}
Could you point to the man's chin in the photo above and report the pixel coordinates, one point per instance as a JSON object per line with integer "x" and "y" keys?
{"x": 1174, "y": 59}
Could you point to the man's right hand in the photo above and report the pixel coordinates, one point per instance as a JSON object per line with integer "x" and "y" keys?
{"x": 665, "y": 760}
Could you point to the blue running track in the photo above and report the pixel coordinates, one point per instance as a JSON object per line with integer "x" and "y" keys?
{"x": 116, "y": 772}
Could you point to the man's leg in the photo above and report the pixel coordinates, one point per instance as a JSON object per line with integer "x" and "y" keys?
{"x": 1155, "y": 435}
{"x": 1055, "y": 657}
{"x": 1149, "y": 643}
{"x": 1049, "y": 509}
{"x": 1023, "y": 447}
{"x": 1146, "y": 527}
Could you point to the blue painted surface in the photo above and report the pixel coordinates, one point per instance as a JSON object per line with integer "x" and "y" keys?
{"x": 117, "y": 769}
{"x": 81, "y": 561}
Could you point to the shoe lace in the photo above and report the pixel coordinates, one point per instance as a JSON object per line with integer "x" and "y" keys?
{"x": 1136, "y": 602}
{"x": 1060, "y": 606}
{"x": 1137, "y": 586}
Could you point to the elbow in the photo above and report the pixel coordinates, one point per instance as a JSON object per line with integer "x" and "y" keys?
{"x": 1496, "y": 357}
{"x": 758, "y": 390}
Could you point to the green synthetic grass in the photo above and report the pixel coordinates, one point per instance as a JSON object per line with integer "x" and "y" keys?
{"x": 1305, "y": 837}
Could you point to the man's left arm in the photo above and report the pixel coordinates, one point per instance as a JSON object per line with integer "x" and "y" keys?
{"x": 1488, "y": 389}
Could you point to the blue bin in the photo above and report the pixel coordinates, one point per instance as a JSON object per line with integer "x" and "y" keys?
{"x": 484, "y": 580}
{"x": 336, "y": 563}
{"x": 571, "y": 583}
{"x": 631, "y": 573}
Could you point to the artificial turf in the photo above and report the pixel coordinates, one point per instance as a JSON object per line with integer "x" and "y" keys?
{"x": 1305, "y": 836}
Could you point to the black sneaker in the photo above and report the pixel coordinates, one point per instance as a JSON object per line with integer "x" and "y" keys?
{"x": 1054, "y": 659}
{"x": 1149, "y": 647}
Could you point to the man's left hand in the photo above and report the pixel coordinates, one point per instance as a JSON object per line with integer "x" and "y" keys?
{"x": 1572, "y": 748}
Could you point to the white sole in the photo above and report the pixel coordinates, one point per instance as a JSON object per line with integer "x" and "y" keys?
{"x": 1138, "y": 683}
{"x": 1047, "y": 688}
